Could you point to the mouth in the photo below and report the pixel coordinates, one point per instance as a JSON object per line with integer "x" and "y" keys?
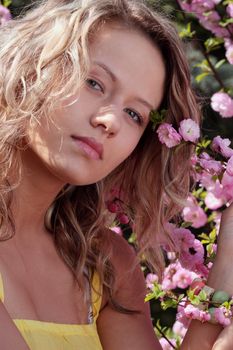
{"x": 90, "y": 146}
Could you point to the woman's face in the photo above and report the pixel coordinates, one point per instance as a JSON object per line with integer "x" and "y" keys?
{"x": 91, "y": 136}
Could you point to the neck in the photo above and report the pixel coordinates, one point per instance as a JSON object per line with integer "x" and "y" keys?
{"x": 33, "y": 196}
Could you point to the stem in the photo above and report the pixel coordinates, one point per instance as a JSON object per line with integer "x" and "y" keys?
{"x": 164, "y": 336}
{"x": 206, "y": 55}
{"x": 215, "y": 73}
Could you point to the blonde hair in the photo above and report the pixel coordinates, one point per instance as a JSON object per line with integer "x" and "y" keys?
{"x": 42, "y": 57}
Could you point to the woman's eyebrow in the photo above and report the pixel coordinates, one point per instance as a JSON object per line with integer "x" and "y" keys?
{"x": 114, "y": 78}
{"x": 107, "y": 70}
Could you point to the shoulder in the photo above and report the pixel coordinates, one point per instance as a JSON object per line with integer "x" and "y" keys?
{"x": 120, "y": 250}
{"x": 127, "y": 330}
{"x": 121, "y": 253}
{"x": 128, "y": 274}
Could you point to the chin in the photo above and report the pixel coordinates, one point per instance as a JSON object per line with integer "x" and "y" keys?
{"x": 78, "y": 179}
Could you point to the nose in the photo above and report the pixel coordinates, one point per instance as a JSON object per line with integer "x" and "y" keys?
{"x": 108, "y": 119}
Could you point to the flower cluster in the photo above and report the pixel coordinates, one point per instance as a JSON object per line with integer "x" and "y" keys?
{"x": 188, "y": 131}
{"x": 200, "y": 302}
{"x": 221, "y": 102}
{"x": 115, "y": 205}
{"x": 209, "y": 18}
{"x": 5, "y": 15}
{"x": 212, "y": 166}
{"x": 216, "y": 176}
{"x": 220, "y": 24}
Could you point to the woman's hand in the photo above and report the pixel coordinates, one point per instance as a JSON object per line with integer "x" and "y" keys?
{"x": 221, "y": 274}
{"x": 225, "y": 239}
{"x": 220, "y": 278}
{"x": 224, "y": 263}
{"x": 225, "y": 339}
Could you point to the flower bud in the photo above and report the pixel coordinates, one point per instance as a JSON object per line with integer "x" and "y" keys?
{"x": 211, "y": 311}
{"x": 220, "y": 297}
{"x": 197, "y": 285}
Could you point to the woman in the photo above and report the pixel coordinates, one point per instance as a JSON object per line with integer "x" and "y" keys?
{"x": 78, "y": 82}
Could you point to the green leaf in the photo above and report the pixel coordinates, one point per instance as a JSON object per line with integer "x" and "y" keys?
{"x": 165, "y": 304}
{"x": 227, "y": 2}
{"x": 204, "y": 236}
{"x": 202, "y": 295}
{"x": 204, "y": 65}
{"x": 133, "y": 238}
{"x": 6, "y": 3}
{"x": 186, "y": 224}
{"x": 149, "y": 297}
{"x": 157, "y": 117}
{"x": 213, "y": 43}
{"x": 213, "y": 235}
{"x": 186, "y": 32}
{"x": 226, "y": 22}
{"x": 220, "y": 63}
{"x": 201, "y": 76}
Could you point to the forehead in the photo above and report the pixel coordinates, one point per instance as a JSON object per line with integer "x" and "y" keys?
{"x": 133, "y": 58}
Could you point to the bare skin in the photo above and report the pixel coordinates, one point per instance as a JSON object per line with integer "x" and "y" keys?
{"x": 35, "y": 278}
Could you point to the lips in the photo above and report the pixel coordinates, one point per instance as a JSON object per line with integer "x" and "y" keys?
{"x": 90, "y": 146}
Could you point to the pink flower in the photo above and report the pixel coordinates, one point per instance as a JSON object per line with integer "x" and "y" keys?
{"x": 179, "y": 329}
{"x": 168, "y": 135}
{"x": 194, "y": 159}
{"x": 229, "y": 10}
{"x": 220, "y": 316}
{"x": 210, "y": 164}
{"x": 211, "y": 22}
{"x": 192, "y": 312}
{"x": 222, "y": 103}
{"x": 183, "y": 278}
{"x": 122, "y": 218}
{"x": 183, "y": 238}
{"x": 165, "y": 345}
{"x": 204, "y": 316}
{"x": 194, "y": 257}
{"x": 206, "y": 180}
{"x": 202, "y": 270}
{"x": 180, "y": 316}
{"x": 212, "y": 202}
{"x": 215, "y": 197}
{"x": 227, "y": 43}
{"x": 5, "y": 15}
{"x": 229, "y": 167}
{"x": 222, "y": 146}
{"x": 196, "y": 314}
{"x": 229, "y": 53}
{"x": 151, "y": 278}
{"x": 201, "y": 6}
{"x": 227, "y": 183}
{"x": 117, "y": 230}
{"x": 168, "y": 283}
{"x": 194, "y": 213}
{"x": 189, "y": 130}
{"x": 113, "y": 207}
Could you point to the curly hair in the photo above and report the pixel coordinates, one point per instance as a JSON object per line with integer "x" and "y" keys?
{"x": 42, "y": 57}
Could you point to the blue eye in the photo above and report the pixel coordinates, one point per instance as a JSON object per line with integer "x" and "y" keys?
{"x": 94, "y": 85}
{"x": 135, "y": 116}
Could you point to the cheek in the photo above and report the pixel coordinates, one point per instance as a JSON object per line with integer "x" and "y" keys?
{"x": 125, "y": 147}
{"x": 45, "y": 142}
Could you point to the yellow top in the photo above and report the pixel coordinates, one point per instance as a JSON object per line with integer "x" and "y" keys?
{"x": 57, "y": 336}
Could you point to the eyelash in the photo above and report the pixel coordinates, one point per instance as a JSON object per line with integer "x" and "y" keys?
{"x": 90, "y": 81}
{"x": 140, "y": 118}
{"x": 127, "y": 110}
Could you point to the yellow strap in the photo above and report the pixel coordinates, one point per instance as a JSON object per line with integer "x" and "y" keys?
{"x": 96, "y": 298}
{"x": 1, "y": 289}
